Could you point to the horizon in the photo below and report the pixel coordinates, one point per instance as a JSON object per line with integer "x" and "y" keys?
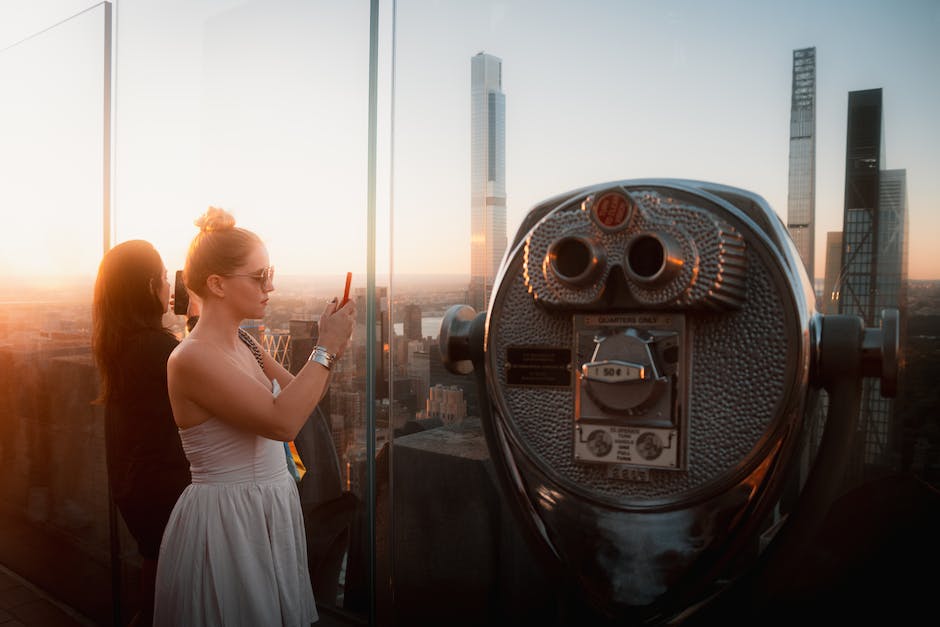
{"x": 10, "y": 292}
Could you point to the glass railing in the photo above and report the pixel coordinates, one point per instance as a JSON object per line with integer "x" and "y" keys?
{"x": 53, "y": 189}
{"x": 262, "y": 108}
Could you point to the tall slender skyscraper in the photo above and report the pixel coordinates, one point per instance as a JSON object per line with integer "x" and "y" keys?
{"x": 801, "y": 191}
{"x": 874, "y": 265}
{"x": 487, "y": 175}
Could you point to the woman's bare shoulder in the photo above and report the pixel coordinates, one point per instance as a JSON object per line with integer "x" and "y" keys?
{"x": 194, "y": 354}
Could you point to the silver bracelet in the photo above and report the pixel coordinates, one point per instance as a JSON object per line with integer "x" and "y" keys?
{"x": 322, "y": 349}
{"x": 322, "y": 356}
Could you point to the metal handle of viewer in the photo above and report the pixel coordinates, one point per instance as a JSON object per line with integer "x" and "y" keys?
{"x": 847, "y": 352}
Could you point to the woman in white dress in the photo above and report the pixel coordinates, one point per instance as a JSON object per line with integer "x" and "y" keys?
{"x": 234, "y": 552}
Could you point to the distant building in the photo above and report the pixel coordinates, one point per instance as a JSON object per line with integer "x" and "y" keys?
{"x": 892, "y": 281}
{"x": 446, "y": 403}
{"x": 419, "y": 369}
{"x": 439, "y": 375}
{"x": 830, "y": 296}
{"x": 278, "y": 345}
{"x": 874, "y": 266}
{"x": 351, "y": 405}
{"x": 487, "y": 175}
{"x": 406, "y": 402}
{"x": 893, "y": 238}
{"x": 346, "y": 416}
{"x": 411, "y": 326}
{"x": 863, "y": 162}
{"x": 303, "y": 337}
{"x": 801, "y": 191}
{"x": 300, "y": 329}
{"x": 382, "y": 338}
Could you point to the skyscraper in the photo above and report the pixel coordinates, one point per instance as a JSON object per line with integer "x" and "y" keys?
{"x": 874, "y": 264}
{"x": 892, "y": 240}
{"x": 487, "y": 175}
{"x": 863, "y": 162}
{"x": 801, "y": 191}
{"x": 411, "y": 325}
{"x": 382, "y": 341}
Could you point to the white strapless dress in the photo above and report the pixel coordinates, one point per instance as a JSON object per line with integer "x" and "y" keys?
{"x": 234, "y": 550}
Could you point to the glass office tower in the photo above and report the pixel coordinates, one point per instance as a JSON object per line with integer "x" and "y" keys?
{"x": 801, "y": 192}
{"x": 874, "y": 268}
{"x": 863, "y": 159}
{"x": 487, "y": 175}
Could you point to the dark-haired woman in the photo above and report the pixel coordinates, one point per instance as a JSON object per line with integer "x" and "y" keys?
{"x": 234, "y": 551}
{"x": 147, "y": 469}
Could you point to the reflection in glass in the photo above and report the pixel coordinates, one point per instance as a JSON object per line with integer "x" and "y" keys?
{"x": 53, "y": 491}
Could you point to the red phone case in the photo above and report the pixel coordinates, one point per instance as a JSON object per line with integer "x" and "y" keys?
{"x": 346, "y": 291}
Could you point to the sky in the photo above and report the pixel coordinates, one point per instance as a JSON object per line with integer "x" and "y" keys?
{"x": 262, "y": 108}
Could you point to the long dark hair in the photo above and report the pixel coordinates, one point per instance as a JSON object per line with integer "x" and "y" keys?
{"x": 124, "y": 303}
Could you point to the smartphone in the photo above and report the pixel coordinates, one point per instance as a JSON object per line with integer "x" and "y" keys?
{"x": 346, "y": 291}
{"x": 180, "y": 296}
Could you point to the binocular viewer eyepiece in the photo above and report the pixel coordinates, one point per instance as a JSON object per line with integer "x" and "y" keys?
{"x": 646, "y": 249}
{"x": 648, "y": 369}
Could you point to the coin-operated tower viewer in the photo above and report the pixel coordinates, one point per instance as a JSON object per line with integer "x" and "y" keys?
{"x": 648, "y": 369}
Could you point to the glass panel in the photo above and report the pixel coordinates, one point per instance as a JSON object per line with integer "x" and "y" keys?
{"x": 53, "y": 489}
{"x": 261, "y": 108}
{"x": 528, "y": 100}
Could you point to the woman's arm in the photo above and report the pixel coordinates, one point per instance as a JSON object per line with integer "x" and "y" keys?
{"x": 206, "y": 382}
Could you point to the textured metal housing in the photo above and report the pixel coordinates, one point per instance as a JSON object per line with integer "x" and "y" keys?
{"x": 746, "y": 302}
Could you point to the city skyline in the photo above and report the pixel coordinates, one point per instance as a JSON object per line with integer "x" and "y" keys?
{"x": 623, "y": 107}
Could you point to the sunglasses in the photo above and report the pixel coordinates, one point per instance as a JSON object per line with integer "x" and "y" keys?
{"x": 265, "y": 277}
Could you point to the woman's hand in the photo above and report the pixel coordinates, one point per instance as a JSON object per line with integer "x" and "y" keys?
{"x": 336, "y": 326}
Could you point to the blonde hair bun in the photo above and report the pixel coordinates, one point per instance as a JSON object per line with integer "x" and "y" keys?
{"x": 215, "y": 219}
